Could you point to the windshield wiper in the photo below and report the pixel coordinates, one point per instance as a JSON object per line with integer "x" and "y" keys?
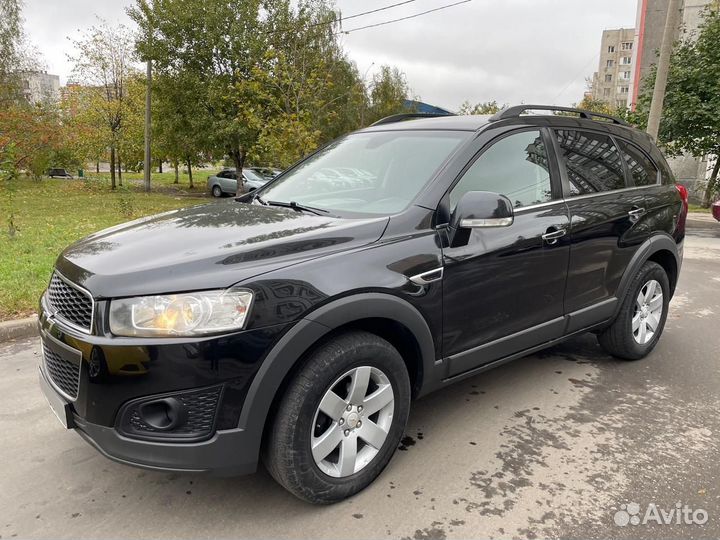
{"x": 299, "y": 207}
{"x": 256, "y": 197}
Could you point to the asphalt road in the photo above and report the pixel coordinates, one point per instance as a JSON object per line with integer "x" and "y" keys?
{"x": 548, "y": 446}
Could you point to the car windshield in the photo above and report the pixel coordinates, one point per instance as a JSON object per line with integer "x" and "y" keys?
{"x": 368, "y": 173}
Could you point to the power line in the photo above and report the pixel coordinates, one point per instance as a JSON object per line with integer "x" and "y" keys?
{"x": 376, "y": 10}
{"x": 403, "y": 18}
{"x": 584, "y": 70}
{"x": 353, "y": 16}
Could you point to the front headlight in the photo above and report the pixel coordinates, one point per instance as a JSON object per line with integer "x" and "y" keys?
{"x": 186, "y": 314}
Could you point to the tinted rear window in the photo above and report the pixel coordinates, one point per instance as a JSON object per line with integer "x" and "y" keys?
{"x": 592, "y": 161}
{"x": 642, "y": 170}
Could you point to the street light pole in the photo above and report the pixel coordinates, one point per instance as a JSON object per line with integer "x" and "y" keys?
{"x": 148, "y": 96}
{"x": 663, "y": 68}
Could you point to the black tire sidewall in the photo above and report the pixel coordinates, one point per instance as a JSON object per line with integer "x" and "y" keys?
{"x": 648, "y": 272}
{"x": 217, "y": 191}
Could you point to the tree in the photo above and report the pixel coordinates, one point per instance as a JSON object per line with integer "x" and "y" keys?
{"x": 487, "y": 107}
{"x": 87, "y": 137}
{"x": 212, "y": 42}
{"x": 30, "y": 136}
{"x": 589, "y": 103}
{"x": 180, "y": 128}
{"x": 104, "y": 65}
{"x": 690, "y": 121}
{"x": 270, "y": 79}
{"x": 31, "y": 139}
{"x": 10, "y": 38}
{"x": 388, "y": 92}
{"x": 131, "y": 138}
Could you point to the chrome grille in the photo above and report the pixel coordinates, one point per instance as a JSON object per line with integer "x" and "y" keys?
{"x": 70, "y": 303}
{"x": 63, "y": 373}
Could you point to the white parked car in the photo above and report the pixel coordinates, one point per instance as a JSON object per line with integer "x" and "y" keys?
{"x": 225, "y": 182}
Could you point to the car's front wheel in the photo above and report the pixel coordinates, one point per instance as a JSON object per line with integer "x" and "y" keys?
{"x": 641, "y": 319}
{"x": 340, "y": 419}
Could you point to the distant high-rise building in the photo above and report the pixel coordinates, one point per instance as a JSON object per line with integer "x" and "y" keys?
{"x": 40, "y": 86}
{"x": 611, "y": 82}
{"x": 649, "y": 28}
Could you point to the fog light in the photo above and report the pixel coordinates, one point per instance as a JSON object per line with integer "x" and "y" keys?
{"x": 163, "y": 414}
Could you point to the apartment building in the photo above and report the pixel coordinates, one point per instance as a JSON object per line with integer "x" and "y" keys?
{"x": 40, "y": 86}
{"x": 649, "y": 27}
{"x": 611, "y": 82}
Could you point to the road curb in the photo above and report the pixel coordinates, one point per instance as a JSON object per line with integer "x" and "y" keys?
{"x": 20, "y": 328}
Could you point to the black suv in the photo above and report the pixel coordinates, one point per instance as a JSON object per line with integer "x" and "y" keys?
{"x": 297, "y": 322}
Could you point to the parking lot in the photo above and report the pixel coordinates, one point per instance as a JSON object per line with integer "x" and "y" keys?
{"x": 548, "y": 446}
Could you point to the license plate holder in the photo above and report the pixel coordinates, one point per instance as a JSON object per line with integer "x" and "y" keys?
{"x": 58, "y": 405}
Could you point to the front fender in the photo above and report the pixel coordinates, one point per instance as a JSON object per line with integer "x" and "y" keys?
{"x": 306, "y": 332}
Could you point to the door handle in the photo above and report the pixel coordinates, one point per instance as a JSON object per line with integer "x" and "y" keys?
{"x": 636, "y": 213}
{"x": 551, "y": 237}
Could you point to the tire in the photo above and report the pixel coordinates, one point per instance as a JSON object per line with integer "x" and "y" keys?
{"x": 299, "y": 423}
{"x": 217, "y": 191}
{"x": 622, "y": 339}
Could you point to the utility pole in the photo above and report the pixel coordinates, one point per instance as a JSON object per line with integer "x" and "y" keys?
{"x": 148, "y": 101}
{"x": 663, "y": 67}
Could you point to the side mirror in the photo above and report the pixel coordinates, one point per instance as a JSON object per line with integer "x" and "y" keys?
{"x": 480, "y": 209}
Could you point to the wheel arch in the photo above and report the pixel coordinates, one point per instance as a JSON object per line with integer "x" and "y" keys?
{"x": 661, "y": 249}
{"x": 385, "y": 315}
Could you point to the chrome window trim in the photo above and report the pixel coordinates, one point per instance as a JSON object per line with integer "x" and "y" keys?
{"x": 59, "y": 317}
{"x": 575, "y": 197}
{"x": 601, "y": 193}
{"x": 521, "y": 209}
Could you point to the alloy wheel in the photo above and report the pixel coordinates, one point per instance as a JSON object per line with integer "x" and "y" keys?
{"x": 352, "y": 421}
{"x": 647, "y": 312}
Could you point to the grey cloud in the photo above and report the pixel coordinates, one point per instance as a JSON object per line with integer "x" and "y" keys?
{"x": 511, "y": 50}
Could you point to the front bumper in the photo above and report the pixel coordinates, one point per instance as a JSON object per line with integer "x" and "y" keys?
{"x": 226, "y": 453}
{"x": 115, "y": 373}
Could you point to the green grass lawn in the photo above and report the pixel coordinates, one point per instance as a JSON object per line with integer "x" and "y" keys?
{"x": 698, "y": 208}
{"x": 51, "y": 214}
{"x": 161, "y": 181}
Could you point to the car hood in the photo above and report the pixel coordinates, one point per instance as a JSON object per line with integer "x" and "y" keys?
{"x": 204, "y": 247}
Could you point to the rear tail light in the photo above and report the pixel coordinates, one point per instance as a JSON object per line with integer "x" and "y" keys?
{"x": 683, "y": 193}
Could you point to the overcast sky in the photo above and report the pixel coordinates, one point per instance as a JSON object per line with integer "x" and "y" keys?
{"x": 513, "y": 51}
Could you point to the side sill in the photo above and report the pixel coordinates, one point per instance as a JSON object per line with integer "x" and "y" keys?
{"x": 505, "y": 360}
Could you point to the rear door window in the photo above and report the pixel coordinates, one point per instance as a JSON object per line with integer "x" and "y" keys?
{"x": 642, "y": 170}
{"x": 592, "y": 161}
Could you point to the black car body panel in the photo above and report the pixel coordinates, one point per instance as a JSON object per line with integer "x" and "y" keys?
{"x": 204, "y": 247}
{"x": 452, "y": 307}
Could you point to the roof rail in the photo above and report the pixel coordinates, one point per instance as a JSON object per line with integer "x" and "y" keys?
{"x": 407, "y": 116}
{"x": 517, "y": 110}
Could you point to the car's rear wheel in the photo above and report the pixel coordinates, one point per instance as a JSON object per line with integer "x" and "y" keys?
{"x": 217, "y": 191}
{"x": 642, "y": 316}
{"x": 340, "y": 419}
